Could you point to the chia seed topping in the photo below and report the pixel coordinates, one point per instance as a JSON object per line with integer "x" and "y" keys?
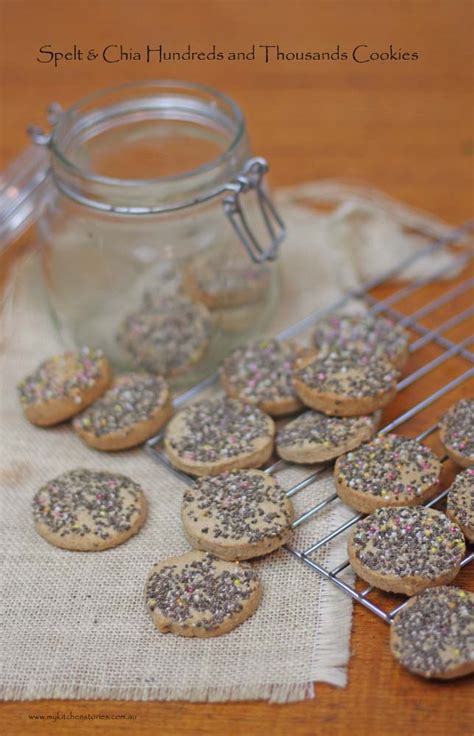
{"x": 394, "y": 468}
{"x": 348, "y": 374}
{"x": 262, "y": 371}
{"x": 460, "y": 504}
{"x": 408, "y": 541}
{"x": 83, "y": 502}
{"x": 133, "y": 398}
{"x": 242, "y": 505}
{"x": 457, "y": 426}
{"x": 219, "y": 428}
{"x": 316, "y": 428}
{"x": 367, "y": 335}
{"x": 199, "y": 590}
{"x": 435, "y": 634}
{"x": 168, "y": 336}
{"x": 62, "y": 376}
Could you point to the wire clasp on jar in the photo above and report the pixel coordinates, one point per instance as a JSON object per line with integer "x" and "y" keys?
{"x": 251, "y": 179}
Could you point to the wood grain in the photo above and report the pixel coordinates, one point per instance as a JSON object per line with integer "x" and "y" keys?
{"x": 404, "y": 127}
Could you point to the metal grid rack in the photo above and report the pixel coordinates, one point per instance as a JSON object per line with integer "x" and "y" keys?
{"x": 450, "y": 348}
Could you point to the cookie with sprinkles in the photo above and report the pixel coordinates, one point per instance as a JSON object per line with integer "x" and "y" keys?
{"x": 314, "y": 437}
{"x": 196, "y": 594}
{"x": 168, "y": 336}
{"x": 64, "y": 385}
{"x": 406, "y": 549}
{"x": 433, "y": 635}
{"x": 345, "y": 384}
{"x": 261, "y": 373}
{"x": 237, "y": 515}
{"x": 135, "y": 408}
{"x": 222, "y": 285}
{"x": 364, "y": 334}
{"x": 389, "y": 470}
{"x": 460, "y": 504}
{"x": 88, "y": 510}
{"x": 214, "y": 435}
{"x": 456, "y": 432}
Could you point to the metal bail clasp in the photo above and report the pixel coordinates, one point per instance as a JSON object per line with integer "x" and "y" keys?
{"x": 37, "y": 134}
{"x": 251, "y": 178}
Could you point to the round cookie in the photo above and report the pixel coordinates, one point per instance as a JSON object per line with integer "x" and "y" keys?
{"x": 460, "y": 504}
{"x": 195, "y": 594}
{"x": 345, "y": 384}
{"x": 237, "y": 515}
{"x": 365, "y": 334}
{"x": 222, "y": 285}
{"x": 132, "y": 410}
{"x": 406, "y": 549}
{"x": 64, "y": 385}
{"x": 389, "y": 470}
{"x": 219, "y": 434}
{"x": 168, "y": 336}
{"x": 88, "y": 510}
{"x": 433, "y": 635}
{"x": 314, "y": 437}
{"x": 261, "y": 373}
{"x": 456, "y": 432}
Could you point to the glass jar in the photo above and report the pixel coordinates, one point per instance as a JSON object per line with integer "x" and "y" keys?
{"x": 159, "y": 239}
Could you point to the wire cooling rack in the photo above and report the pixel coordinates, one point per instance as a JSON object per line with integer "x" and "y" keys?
{"x": 391, "y": 306}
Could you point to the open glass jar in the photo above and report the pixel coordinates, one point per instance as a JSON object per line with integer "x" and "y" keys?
{"x": 158, "y": 237}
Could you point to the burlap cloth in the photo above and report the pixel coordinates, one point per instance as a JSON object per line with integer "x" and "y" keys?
{"x": 75, "y": 625}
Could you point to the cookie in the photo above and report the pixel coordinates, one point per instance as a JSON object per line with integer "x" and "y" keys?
{"x": 406, "y": 549}
{"x": 345, "y": 384}
{"x": 132, "y": 410}
{"x": 261, "y": 373}
{"x": 88, "y": 510}
{"x": 221, "y": 285}
{"x": 168, "y": 336}
{"x": 387, "y": 471}
{"x": 368, "y": 335}
{"x": 314, "y": 437}
{"x": 195, "y": 594}
{"x": 64, "y": 385}
{"x": 219, "y": 434}
{"x": 456, "y": 432}
{"x": 237, "y": 515}
{"x": 460, "y": 504}
{"x": 433, "y": 635}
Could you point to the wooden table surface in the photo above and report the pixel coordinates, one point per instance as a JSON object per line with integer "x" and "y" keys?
{"x": 403, "y": 126}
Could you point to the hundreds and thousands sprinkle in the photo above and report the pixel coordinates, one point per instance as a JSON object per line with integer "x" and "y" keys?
{"x": 434, "y": 634}
{"x": 348, "y": 374}
{"x": 458, "y": 427}
{"x": 239, "y": 505}
{"x": 460, "y": 505}
{"x": 83, "y": 502}
{"x": 261, "y": 371}
{"x": 62, "y": 376}
{"x": 133, "y": 398}
{"x": 203, "y": 592}
{"x": 391, "y": 467}
{"x": 408, "y": 541}
{"x": 316, "y": 428}
{"x": 218, "y": 428}
{"x": 168, "y": 336}
{"x": 368, "y": 335}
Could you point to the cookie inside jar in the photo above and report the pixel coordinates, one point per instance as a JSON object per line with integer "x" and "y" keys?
{"x": 159, "y": 238}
